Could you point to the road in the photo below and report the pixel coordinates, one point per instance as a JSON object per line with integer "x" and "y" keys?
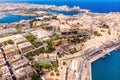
{"x": 104, "y": 51}
{"x": 83, "y": 62}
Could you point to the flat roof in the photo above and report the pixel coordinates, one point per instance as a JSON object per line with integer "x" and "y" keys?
{"x": 24, "y": 45}
{"x": 9, "y": 48}
{"x": 40, "y": 33}
{"x": 19, "y": 40}
{"x": 10, "y": 37}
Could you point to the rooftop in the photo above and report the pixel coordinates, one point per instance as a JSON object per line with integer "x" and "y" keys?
{"x": 9, "y": 48}
{"x": 40, "y": 34}
{"x": 24, "y": 45}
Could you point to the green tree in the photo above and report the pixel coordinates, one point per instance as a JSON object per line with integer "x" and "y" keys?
{"x": 52, "y": 74}
{"x": 10, "y": 41}
{"x": 57, "y": 74}
{"x": 97, "y": 33}
{"x": 64, "y": 63}
{"x": 34, "y": 77}
{"x": 37, "y": 43}
{"x": 46, "y": 65}
{"x": 1, "y": 45}
{"x": 36, "y": 65}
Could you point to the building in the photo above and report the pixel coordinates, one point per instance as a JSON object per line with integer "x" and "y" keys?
{"x": 7, "y": 76}
{"x": 2, "y": 62}
{"x": 19, "y": 64}
{"x": 25, "y": 47}
{"x": 8, "y": 31}
{"x": 20, "y": 43}
{"x": 24, "y": 73}
{"x": 17, "y": 36}
{"x": 47, "y": 57}
{"x": 68, "y": 30}
{"x": 10, "y": 50}
{"x": 19, "y": 40}
{"x": 41, "y": 34}
{"x": 3, "y": 70}
{"x": 74, "y": 64}
{"x": 10, "y": 26}
{"x": 1, "y": 27}
{"x": 1, "y": 55}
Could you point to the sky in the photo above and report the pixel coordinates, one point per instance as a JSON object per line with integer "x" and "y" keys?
{"x": 62, "y": 0}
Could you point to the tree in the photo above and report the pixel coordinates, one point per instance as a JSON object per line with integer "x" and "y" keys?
{"x": 105, "y": 26}
{"x": 34, "y": 77}
{"x": 64, "y": 63}
{"x": 36, "y": 65}
{"x": 10, "y": 41}
{"x": 1, "y": 45}
{"x": 97, "y": 33}
{"x": 50, "y": 46}
{"x": 52, "y": 74}
{"x": 46, "y": 65}
{"x": 57, "y": 74}
{"x": 47, "y": 56}
{"x": 37, "y": 43}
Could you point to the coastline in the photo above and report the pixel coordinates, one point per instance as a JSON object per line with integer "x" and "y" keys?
{"x": 100, "y": 56}
{"x": 35, "y": 9}
{"x": 92, "y": 57}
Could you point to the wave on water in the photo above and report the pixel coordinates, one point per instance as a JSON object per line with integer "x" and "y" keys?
{"x": 2, "y": 16}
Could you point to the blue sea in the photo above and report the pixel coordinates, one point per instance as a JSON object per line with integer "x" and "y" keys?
{"x": 94, "y": 6}
{"x": 107, "y": 68}
{"x": 10, "y": 18}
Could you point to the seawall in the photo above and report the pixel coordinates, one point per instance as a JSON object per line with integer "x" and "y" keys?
{"x": 105, "y": 52}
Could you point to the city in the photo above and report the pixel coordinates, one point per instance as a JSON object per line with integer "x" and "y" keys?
{"x": 55, "y": 46}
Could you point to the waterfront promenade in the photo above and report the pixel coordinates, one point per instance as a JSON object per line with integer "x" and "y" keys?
{"x": 85, "y": 71}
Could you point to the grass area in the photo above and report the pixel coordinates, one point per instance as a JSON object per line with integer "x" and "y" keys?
{"x": 54, "y": 64}
{"x": 31, "y": 38}
{"x": 30, "y": 55}
{"x": 50, "y": 47}
{"x": 49, "y": 28}
{"x": 46, "y": 65}
{"x": 79, "y": 40}
{"x": 37, "y": 43}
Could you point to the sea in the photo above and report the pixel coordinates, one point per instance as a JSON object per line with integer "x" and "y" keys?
{"x": 107, "y": 68}
{"x": 94, "y": 6}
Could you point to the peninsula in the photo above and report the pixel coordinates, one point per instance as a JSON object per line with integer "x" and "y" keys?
{"x": 26, "y": 9}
